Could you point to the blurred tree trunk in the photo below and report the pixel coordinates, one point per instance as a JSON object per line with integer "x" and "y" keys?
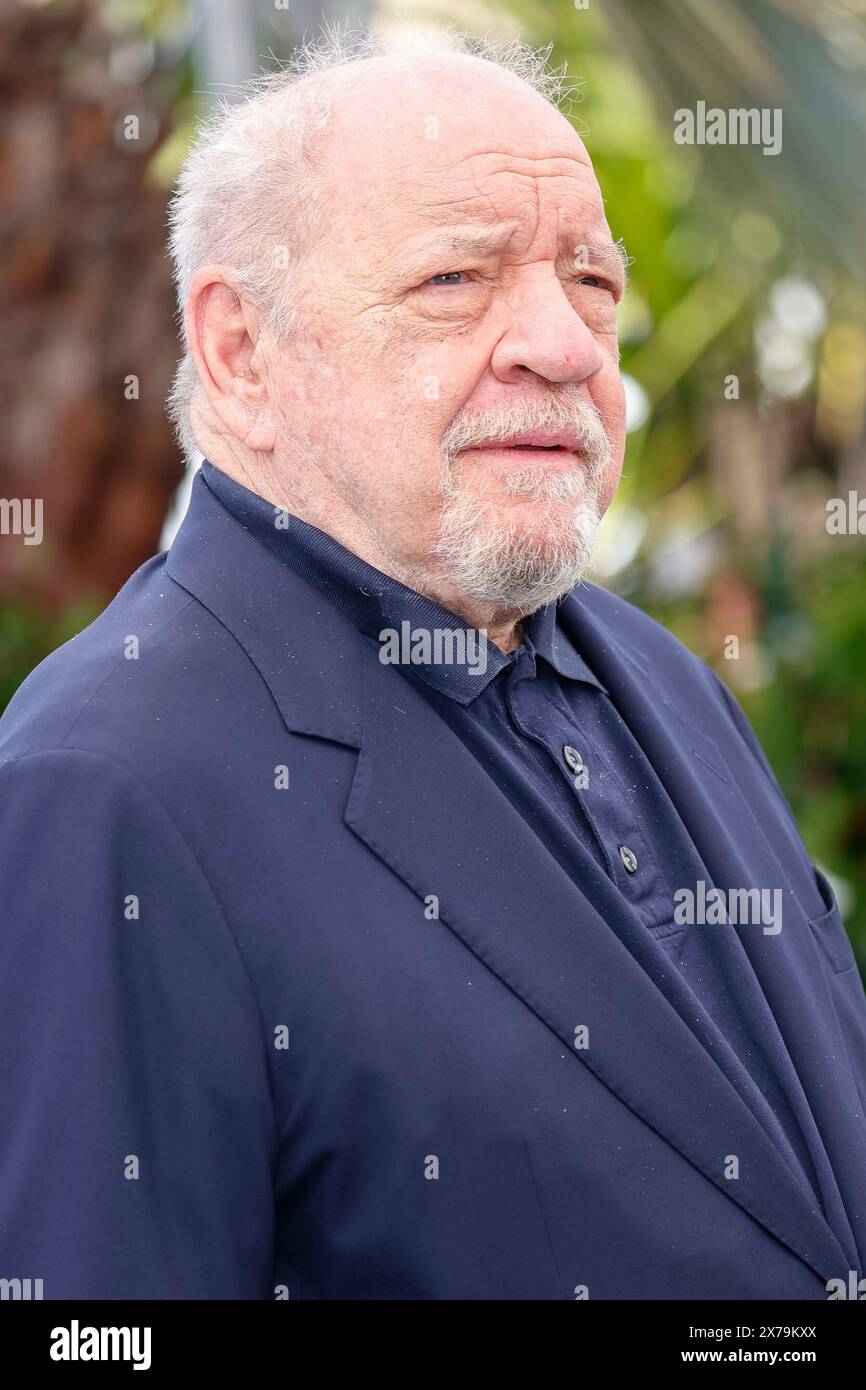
{"x": 89, "y": 342}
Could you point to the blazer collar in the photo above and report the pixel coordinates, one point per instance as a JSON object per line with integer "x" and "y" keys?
{"x": 307, "y": 652}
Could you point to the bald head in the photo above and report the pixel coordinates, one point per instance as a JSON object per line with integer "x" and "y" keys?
{"x": 439, "y": 138}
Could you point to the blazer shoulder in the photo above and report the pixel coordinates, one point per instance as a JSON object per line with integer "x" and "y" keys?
{"x": 666, "y": 657}
{"x": 627, "y": 621}
{"x": 114, "y": 687}
{"x": 609, "y": 607}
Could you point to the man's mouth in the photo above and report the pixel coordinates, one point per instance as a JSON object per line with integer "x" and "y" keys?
{"x": 551, "y": 441}
{"x": 519, "y": 450}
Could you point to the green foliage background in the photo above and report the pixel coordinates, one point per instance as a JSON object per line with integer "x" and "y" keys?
{"x": 719, "y": 527}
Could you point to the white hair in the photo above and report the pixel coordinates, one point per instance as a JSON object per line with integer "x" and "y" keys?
{"x": 250, "y": 195}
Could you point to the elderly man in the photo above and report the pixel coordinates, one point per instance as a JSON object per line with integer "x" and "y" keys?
{"x": 386, "y": 913}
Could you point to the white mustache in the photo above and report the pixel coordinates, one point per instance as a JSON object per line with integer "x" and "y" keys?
{"x": 505, "y": 422}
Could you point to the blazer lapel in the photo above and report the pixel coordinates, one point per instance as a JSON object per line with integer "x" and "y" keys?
{"x": 430, "y": 812}
{"x": 739, "y": 851}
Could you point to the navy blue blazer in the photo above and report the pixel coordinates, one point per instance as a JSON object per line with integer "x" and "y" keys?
{"x": 289, "y": 992}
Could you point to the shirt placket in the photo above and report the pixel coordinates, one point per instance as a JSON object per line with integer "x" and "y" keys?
{"x": 586, "y": 782}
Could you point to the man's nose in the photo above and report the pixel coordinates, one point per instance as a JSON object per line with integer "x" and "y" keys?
{"x": 546, "y": 336}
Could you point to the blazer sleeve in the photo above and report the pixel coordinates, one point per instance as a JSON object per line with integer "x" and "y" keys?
{"x": 137, "y": 1136}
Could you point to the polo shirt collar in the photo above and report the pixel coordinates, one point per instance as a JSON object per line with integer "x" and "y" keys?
{"x": 447, "y": 653}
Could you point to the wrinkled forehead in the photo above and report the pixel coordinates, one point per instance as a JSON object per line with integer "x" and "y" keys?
{"x": 460, "y": 142}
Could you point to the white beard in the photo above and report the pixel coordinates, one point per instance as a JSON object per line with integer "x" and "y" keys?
{"x": 527, "y": 562}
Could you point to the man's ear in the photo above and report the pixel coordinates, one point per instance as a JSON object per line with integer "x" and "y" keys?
{"x": 222, "y": 331}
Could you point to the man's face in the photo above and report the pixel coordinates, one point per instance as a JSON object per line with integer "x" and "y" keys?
{"x": 467, "y": 294}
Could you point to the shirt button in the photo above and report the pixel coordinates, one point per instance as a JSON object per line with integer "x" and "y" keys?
{"x": 572, "y": 758}
{"x": 629, "y": 859}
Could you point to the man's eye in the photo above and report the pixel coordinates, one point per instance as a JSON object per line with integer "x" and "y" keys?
{"x": 594, "y": 281}
{"x": 444, "y": 275}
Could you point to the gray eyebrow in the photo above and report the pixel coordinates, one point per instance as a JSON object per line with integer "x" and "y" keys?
{"x": 479, "y": 244}
{"x": 614, "y": 252}
{"x": 476, "y": 244}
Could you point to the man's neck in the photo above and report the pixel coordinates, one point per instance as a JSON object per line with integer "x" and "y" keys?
{"x": 502, "y": 627}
